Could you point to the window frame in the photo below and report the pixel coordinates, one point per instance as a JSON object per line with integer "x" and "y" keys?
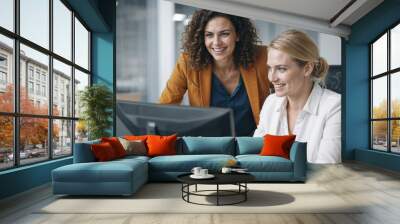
{"x": 388, "y": 74}
{"x": 16, "y": 114}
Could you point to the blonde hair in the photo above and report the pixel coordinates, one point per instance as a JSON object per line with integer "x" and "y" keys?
{"x": 302, "y": 49}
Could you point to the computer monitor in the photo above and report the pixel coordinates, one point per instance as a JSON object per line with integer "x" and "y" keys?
{"x": 138, "y": 118}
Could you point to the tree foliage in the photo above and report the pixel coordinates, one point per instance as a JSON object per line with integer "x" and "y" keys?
{"x": 96, "y": 102}
{"x": 380, "y": 127}
{"x": 33, "y": 130}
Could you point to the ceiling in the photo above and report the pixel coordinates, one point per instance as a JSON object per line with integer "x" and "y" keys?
{"x": 325, "y": 16}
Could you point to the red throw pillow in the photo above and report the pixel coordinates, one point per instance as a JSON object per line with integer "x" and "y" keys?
{"x": 116, "y": 145}
{"x": 103, "y": 151}
{"x": 161, "y": 145}
{"x": 277, "y": 145}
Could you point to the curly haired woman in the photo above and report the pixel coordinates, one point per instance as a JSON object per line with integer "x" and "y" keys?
{"x": 221, "y": 66}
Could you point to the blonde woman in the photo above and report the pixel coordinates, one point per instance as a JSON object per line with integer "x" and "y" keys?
{"x": 300, "y": 105}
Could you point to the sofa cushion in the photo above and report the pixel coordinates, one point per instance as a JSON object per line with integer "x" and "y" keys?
{"x": 134, "y": 147}
{"x": 112, "y": 171}
{"x": 161, "y": 145}
{"x": 249, "y": 145}
{"x": 208, "y": 145}
{"x": 116, "y": 145}
{"x": 103, "y": 151}
{"x": 185, "y": 163}
{"x": 275, "y": 145}
{"x": 257, "y": 163}
{"x": 83, "y": 152}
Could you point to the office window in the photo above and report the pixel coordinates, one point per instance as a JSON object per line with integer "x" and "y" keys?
{"x": 3, "y": 61}
{"x": 30, "y": 88}
{"x": 6, "y": 142}
{"x": 62, "y": 29}
{"x": 45, "y": 131}
{"x": 385, "y": 94}
{"x": 7, "y": 84}
{"x": 30, "y": 73}
{"x": 35, "y": 21}
{"x": 3, "y": 78}
{"x": 62, "y": 74}
{"x": 7, "y": 14}
{"x": 81, "y": 45}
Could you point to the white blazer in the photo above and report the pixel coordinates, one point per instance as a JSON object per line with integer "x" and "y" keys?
{"x": 318, "y": 124}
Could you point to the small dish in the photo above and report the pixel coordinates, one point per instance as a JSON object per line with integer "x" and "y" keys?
{"x": 208, "y": 176}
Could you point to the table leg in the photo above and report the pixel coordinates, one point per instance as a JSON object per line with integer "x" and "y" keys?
{"x": 245, "y": 191}
{"x": 217, "y": 194}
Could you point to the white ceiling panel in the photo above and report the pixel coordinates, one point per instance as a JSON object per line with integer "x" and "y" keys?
{"x": 317, "y": 15}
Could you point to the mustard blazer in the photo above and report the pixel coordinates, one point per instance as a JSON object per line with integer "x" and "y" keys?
{"x": 198, "y": 83}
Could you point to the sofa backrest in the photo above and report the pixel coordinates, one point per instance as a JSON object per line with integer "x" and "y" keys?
{"x": 208, "y": 145}
{"x": 249, "y": 145}
{"x": 83, "y": 152}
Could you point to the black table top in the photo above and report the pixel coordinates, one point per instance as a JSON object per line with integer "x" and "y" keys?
{"x": 220, "y": 178}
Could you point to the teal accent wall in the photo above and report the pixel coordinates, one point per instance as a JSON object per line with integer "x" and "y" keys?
{"x": 356, "y": 115}
{"x": 99, "y": 15}
{"x": 24, "y": 178}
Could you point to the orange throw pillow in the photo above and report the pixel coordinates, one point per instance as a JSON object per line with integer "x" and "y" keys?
{"x": 103, "y": 151}
{"x": 116, "y": 145}
{"x": 277, "y": 145}
{"x": 161, "y": 145}
{"x": 136, "y": 137}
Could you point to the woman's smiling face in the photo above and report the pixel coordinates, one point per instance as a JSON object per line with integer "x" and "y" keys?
{"x": 288, "y": 78}
{"x": 220, "y": 38}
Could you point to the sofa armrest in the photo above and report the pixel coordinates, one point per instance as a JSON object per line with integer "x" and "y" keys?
{"x": 298, "y": 155}
{"x": 83, "y": 152}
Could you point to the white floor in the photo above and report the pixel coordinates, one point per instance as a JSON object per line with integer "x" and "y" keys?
{"x": 377, "y": 189}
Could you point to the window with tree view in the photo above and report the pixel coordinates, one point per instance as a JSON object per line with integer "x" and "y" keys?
{"x": 385, "y": 92}
{"x": 44, "y": 58}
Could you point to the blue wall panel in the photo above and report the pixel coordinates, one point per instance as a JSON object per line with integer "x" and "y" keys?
{"x": 357, "y": 85}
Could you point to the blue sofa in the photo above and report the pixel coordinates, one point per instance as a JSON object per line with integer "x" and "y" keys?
{"x": 125, "y": 176}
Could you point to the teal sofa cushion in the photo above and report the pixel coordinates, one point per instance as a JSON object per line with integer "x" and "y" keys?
{"x": 83, "y": 153}
{"x": 185, "y": 163}
{"x": 249, "y": 145}
{"x": 117, "y": 177}
{"x": 257, "y": 163}
{"x": 208, "y": 145}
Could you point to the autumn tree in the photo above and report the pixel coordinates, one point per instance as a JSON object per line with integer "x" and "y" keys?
{"x": 380, "y": 127}
{"x": 33, "y": 130}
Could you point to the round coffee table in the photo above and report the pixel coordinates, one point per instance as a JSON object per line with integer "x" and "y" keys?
{"x": 238, "y": 179}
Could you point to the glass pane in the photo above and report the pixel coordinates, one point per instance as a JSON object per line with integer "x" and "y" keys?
{"x": 395, "y": 138}
{"x": 62, "y": 29}
{"x": 379, "y": 55}
{"x": 81, "y": 45}
{"x": 62, "y": 141}
{"x": 395, "y": 47}
{"x": 34, "y": 97}
{"x": 62, "y": 89}
{"x": 33, "y": 139}
{"x": 81, "y": 81}
{"x": 379, "y": 98}
{"x": 379, "y": 135}
{"x": 6, "y": 142}
{"x": 81, "y": 131}
{"x": 6, "y": 74}
{"x": 35, "y": 21}
{"x": 7, "y": 14}
{"x": 395, "y": 94}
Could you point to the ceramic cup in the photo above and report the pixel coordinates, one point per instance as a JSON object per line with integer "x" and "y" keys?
{"x": 196, "y": 170}
{"x": 226, "y": 170}
{"x": 203, "y": 172}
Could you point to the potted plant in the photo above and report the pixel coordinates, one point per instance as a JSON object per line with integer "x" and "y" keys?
{"x": 96, "y": 102}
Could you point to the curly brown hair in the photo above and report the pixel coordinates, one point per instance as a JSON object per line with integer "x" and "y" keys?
{"x": 194, "y": 46}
